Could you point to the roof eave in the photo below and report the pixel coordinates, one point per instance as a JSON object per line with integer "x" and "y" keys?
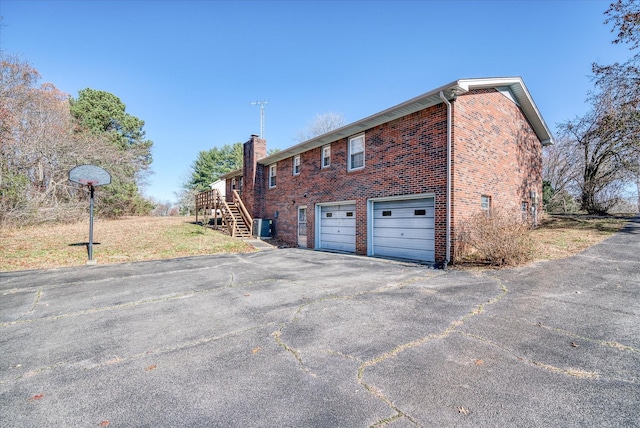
{"x": 231, "y": 174}
{"x": 418, "y": 103}
{"x": 523, "y": 98}
{"x": 428, "y": 99}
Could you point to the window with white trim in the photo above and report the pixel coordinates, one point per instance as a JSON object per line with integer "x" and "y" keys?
{"x": 356, "y": 152}
{"x": 296, "y": 165}
{"x": 272, "y": 175}
{"x": 326, "y": 156}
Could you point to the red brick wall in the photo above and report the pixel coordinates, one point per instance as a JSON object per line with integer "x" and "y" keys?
{"x": 495, "y": 153}
{"x": 405, "y": 156}
{"x": 253, "y": 176}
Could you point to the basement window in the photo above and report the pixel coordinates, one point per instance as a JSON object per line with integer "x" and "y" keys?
{"x": 485, "y": 202}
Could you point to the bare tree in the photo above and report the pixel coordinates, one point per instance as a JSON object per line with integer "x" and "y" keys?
{"x": 623, "y": 79}
{"x": 559, "y": 172}
{"x": 321, "y": 124}
{"x": 604, "y": 146}
{"x": 161, "y": 209}
{"x": 39, "y": 145}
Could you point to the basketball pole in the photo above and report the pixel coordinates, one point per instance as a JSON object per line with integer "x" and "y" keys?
{"x": 91, "y": 223}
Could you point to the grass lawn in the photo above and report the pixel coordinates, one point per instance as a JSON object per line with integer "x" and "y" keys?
{"x": 151, "y": 238}
{"x": 124, "y": 240}
{"x": 562, "y": 236}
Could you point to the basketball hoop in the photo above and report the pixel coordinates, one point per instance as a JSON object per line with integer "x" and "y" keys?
{"x": 91, "y": 176}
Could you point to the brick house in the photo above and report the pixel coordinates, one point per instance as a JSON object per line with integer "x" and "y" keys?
{"x": 396, "y": 183}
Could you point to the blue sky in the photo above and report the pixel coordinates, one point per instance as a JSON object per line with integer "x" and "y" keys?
{"x": 190, "y": 69}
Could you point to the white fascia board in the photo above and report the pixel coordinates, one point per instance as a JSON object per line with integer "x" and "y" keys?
{"x": 428, "y": 99}
{"x": 523, "y": 99}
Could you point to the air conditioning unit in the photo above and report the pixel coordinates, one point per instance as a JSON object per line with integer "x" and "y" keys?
{"x": 262, "y": 227}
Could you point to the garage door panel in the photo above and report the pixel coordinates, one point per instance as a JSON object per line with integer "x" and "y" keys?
{"x": 394, "y": 233}
{"x": 410, "y": 254}
{"x": 397, "y": 215}
{"x": 336, "y": 222}
{"x": 413, "y": 203}
{"x": 404, "y": 229}
{"x": 338, "y": 246}
{"x": 341, "y": 239}
{"x": 401, "y": 224}
{"x": 337, "y": 211}
{"x": 341, "y": 236}
{"x": 401, "y": 243}
{"x": 338, "y": 227}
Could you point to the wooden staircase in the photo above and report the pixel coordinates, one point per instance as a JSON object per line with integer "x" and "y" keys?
{"x": 235, "y": 219}
{"x": 242, "y": 230}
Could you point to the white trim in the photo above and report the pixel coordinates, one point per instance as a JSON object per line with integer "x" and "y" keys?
{"x": 306, "y": 220}
{"x": 457, "y": 87}
{"x": 274, "y": 167}
{"x": 364, "y": 150}
{"x": 299, "y": 165}
{"x": 322, "y": 157}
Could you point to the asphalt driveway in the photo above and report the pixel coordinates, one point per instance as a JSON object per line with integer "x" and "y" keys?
{"x": 297, "y": 338}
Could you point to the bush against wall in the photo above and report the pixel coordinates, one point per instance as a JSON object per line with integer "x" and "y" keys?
{"x": 499, "y": 237}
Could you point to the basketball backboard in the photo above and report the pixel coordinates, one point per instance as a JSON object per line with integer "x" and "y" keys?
{"x": 89, "y": 175}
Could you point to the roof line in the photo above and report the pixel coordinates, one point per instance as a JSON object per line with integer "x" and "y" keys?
{"x": 428, "y": 99}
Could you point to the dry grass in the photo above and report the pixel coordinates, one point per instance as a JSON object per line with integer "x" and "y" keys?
{"x": 559, "y": 236}
{"x": 125, "y": 240}
{"x": 151, "y": 238}
{"x": 563, "y": 236}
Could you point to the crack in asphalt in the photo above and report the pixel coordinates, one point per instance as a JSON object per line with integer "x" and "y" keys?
{"x": 453, "y": 327}
{"x": 573, "y": 372}
{"x": 610, "y": 344}
{"x": 87, "y": 365}
{"x": 399, "y": 413}
{"x": 135, "y": 303}
{"x": 119, "y": 275}
{"x": 33, "y": 306}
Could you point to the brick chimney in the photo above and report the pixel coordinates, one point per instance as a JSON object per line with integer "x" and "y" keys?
{"x": 253, "y": 175}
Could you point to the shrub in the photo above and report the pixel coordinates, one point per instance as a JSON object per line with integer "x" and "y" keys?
{"x": 499, "y": 237}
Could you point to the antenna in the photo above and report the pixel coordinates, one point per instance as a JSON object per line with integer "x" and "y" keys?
{"x": 261, "y": 104}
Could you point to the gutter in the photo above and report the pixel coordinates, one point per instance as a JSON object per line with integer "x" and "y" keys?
{"x": 448, "y": 203}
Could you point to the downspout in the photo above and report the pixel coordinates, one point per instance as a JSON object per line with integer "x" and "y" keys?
{"x": 448, "y": 202}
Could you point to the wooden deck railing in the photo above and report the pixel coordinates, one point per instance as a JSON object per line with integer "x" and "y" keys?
{"x": 212, "y": 202}
{"x": 237, "y": 201}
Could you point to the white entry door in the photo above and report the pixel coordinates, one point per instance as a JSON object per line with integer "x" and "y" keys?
{"x": 302, "y": 227}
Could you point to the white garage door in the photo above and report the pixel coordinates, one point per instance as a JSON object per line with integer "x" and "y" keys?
{"x": 404, "y": 229}
{"x": 338, "y": 227}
